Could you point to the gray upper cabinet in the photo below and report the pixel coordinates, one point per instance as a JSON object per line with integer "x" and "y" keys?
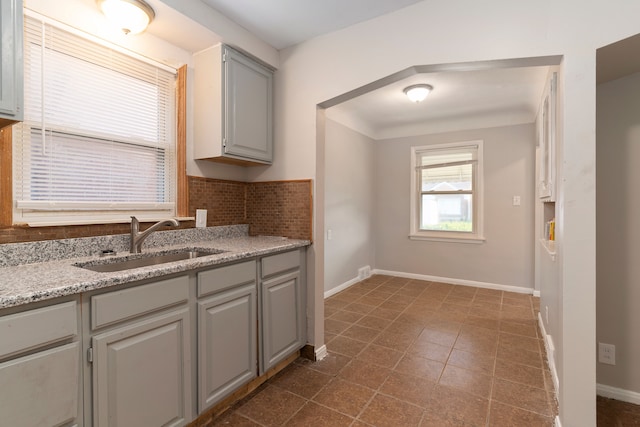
{"x": 11, "y": 67}
{"x": 233, "y": 108}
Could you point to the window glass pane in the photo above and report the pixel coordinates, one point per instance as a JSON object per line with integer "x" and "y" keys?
{"x": 448, "y": 178}
{"x": 446, "y": 212}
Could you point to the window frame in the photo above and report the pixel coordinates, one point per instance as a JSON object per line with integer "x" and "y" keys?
{"x": 477, "y": 192}
{"x": 179, "y": 202}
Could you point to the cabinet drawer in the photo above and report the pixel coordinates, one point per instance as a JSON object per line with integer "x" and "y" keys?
{"x": 116, "y": 306}
{"x": 226, "y": 277}
{"x": 35, "y": 328}
{"x": 282, "y": 262}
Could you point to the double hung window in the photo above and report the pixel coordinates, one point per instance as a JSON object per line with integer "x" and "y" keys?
{"x": 98, "y": 140}
{"x": 447, "y": 191}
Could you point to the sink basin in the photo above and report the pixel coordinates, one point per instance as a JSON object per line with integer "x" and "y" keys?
{"x": 145, "y": 260}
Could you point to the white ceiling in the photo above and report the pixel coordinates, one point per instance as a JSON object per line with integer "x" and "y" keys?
{"x": 284, "y": 23}
{"x": 460, "y": 100}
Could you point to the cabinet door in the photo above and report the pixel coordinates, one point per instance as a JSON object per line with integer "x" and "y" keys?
{"x": 227, "y": 343}
{"x": 11, "y": 64}
{"x": 44, "y": 388}
{"x": 248, "y": 108}
{"x": 282, "y": 318}
{"x": 142, "y": 373}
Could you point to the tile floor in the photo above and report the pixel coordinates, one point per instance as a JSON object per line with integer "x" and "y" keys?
{"x": 413, "y": 353}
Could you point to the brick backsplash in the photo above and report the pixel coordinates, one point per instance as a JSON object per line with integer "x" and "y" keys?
{"x": 279, "y": 208}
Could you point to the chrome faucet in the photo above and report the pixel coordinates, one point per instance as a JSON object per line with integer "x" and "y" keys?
{"x": 137, "y": 236}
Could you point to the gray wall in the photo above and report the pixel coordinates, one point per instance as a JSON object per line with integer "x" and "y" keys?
{"x": 349, "y": 203}
{"x": 507, "y": 256}
{"x": 618, "y": 229}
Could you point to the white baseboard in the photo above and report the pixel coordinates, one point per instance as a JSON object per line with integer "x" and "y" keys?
{"x": 558, "y": 423}
{"x": 536, "y": 294}
{"x": 340, "y": 288}
{"x": 321, "y": 352}
{"x": 463, "y": 282}
{"x": 618, "y": 394}
{"x": 548, "y": 344}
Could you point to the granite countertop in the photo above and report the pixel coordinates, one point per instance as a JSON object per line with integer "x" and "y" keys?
{"x": 40, "y": 276}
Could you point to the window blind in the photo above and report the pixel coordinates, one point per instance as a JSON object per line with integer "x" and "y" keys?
{"x": 99, "y": 132}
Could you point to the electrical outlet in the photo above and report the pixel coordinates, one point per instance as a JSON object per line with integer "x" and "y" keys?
{"x": 329, "y": 234}
{"x": 607, "y": 353}
{"x": 516, "y": 200}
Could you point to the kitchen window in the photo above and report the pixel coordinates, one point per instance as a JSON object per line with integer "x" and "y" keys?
{"x": 98, "y": 142}
{"x": 446, "y": 188}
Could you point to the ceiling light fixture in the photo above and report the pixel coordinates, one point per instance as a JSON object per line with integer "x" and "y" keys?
{"x": 417, "y": 93}
{"x": 132, "y": 16}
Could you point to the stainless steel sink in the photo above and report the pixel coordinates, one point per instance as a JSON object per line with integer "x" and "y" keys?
{"x": 145, "y": 260}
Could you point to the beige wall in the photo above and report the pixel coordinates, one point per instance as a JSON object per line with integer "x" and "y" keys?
{"x": 618, "y": 230}
{"x": 349, "y": 203}
{"x": 506, "y": 258}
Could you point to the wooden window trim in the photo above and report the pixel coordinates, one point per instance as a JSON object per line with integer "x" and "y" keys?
{"x": 182, "y": 197}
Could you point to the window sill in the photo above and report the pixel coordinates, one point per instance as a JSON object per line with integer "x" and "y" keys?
{"x": 449, "y": 239}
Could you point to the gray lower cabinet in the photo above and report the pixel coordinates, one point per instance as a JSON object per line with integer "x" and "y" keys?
{"x": 141, "y": 373}
{"x": 283, "y": 303}
{"x": 227, "y": 331}
{"x": 40, "y": 369}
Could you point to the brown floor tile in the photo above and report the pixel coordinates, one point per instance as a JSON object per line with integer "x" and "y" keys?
{"x": 319, "y": 416}
{"x": 370, "y": 300}
{"x": 391, "y": 305}
{"x": 234, "y": 419}
{"x": 345, "y": 346}
{"x": 301, "y": 380}
{"x": 384, "y": 411}
{"x": 335, "y": 326}
{"x": 519, "y": 329}
{"x": 379, "y": 355}
{"x": 482, "y": 322}
{"x": 406, "y": 325}
{"x": 451, "y": 407}
{"x": 395, "y": 340}
{"x": 331, "y": 364}
{"x": 357, "y": 307}
{"x": 430, "y": 350}
{"x": 520, "y": 342}
{"x": 472, "y": 361}
{"x": 458, "y": 300}
{"x": 373, "y": 322}
{"x": 522, "y": 396}
{"x": 346, "y": 316}
{"x": 385, "y": 313}
{"x": 402, "y": 299}
{"x": 472, "y": 382}
{"x": 335, "y": 303}
{"x": 271, "y": 406}
{"x": 527, "y": 375}
{"x": 361, "y": 333}
{"x": 328, "y": 311}
{"x": 419, "y": 366}
{"x": 522, "y": 357}
{"x": 501, "y": 415}
{"x": 408, "y": 388}
{"x": 477, "y": 340}
{"x": 346, "y": 397}
{"x": 437, "y": 336}
{"x": 365, "y": 374}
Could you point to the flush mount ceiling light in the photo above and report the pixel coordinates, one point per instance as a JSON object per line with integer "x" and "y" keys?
{"x": 132, "y": 16}
{"x": 417, "y": 93}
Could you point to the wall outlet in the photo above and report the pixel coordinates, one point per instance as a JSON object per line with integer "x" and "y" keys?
{"x": 201, "y": 218}
{"x": 329, "y": 234}
{"x": 516, "y": 200}
{"x": 606, "y": 353}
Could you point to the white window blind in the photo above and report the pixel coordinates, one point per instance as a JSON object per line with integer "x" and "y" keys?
{"x": 98, "y": 140}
